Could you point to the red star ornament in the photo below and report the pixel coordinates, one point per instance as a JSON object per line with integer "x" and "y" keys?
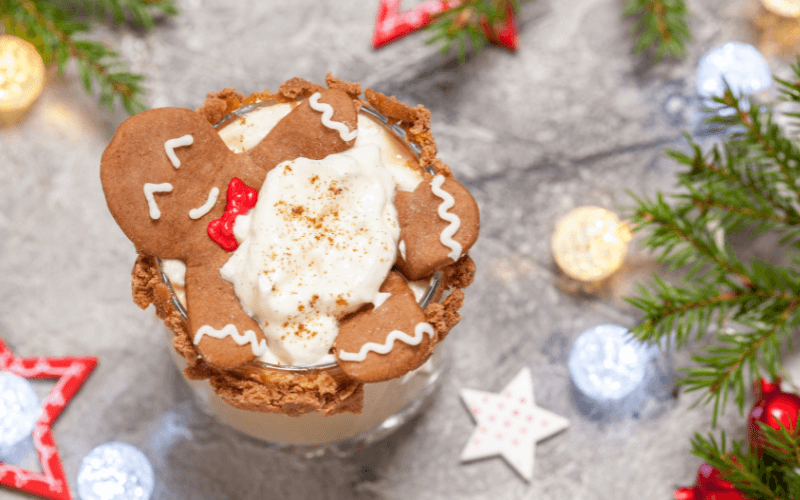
{"x": 71, "y": 372}
{"x": 391, "y": 24}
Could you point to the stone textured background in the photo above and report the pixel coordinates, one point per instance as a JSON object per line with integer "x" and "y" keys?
{"x": 573, "y": 118}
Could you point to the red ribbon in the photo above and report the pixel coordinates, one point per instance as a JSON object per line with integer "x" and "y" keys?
{"x": 241, "y": 198}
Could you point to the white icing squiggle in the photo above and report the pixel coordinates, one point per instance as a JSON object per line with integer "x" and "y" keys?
{"x": 196, "y": 213}
{"x": 171, "y": 144}
{"x": 447, "y": 235}
{"x": 327, "y": 114}
{"x": 402, "y": 248}
{"x": 149, "y": 189}
{"x": 387, "y": 346}
{"x": 231, "y": 331}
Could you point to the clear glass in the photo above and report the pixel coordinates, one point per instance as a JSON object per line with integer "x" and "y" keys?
{"x": 387, "y": 405}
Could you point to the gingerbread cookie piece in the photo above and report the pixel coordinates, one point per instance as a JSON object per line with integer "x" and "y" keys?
{"x": 163, "y": 174}
{"x": 388, "y": 340}
{"x": 393, "y": 109}
{"x": 439, "y": 222}
{"x": 328, "y": 116}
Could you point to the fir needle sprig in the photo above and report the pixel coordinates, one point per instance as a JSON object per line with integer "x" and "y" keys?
{"x": 52, "y": 29}
{"x": 661, "y": 24}
{"x": 746, "y": 185}
{"x": 463, "y": 24}
{"x": 768, "y": 477}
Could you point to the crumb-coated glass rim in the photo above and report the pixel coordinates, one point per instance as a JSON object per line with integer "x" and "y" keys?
{"x": 399, "y": 133}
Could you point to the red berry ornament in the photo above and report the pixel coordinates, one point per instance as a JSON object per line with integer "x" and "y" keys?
{"x": 710, "y": 486}
{"x": 775, "y": 408}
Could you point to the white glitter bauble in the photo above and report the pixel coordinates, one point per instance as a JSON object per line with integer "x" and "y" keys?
{"x": 19, "y": 409}
{"x": 115, "y": 471}
{"x": 739, "y": 64}
{"x": 608, "y": 366}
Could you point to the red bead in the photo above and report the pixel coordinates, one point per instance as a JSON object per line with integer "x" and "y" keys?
{"x": 775, "y": 408}
{"x": 710, "y": 486}
{"x": 687, "y": 494}
{"x": 241, "y": 199}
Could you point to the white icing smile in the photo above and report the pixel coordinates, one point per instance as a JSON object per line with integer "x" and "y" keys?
{"x": 196, "y": 213}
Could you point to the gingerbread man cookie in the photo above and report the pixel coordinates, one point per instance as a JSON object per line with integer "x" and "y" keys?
{"x": 387, "y": 341}
{"x": 163, "y": 175}
{"x": 439, "y": 222}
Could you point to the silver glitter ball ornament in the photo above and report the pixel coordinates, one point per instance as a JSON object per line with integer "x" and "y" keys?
{"x": 115, "y": 471}
{"x": 739, "y": 65}
{"x": 19, "y": 409}
{"x": 608, "y": 368}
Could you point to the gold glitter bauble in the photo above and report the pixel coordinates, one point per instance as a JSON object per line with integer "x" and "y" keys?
{"x": 590, "y": 243}
{"x": 785, "y": 8}
{"x": 21, "y": 77}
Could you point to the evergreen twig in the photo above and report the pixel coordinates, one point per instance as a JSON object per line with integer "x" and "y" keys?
{"x": 661, "y": 24}
{"x": 746, "y": 185}
{"x": 52, "y": 29}
{"x": 462, "y": 24}
{"x": 139, "y": 13}
{"x": 751, "y": 475}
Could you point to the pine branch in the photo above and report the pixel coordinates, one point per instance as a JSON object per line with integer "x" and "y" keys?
{"x": 463, "y": 25}
{"x": 661, "y": 24}
{"x": 767, "y": 138}
{"x": 752, "y": 476}
{"x": 53, "y": 31}
{"x": 139, "y": 13}
{"x": 682, "y": 235}
{"x": 790, "y": 91}
{"x": 727, "y": 183}
{"x": 723, "y": 365}
{"x": 747, "y": 185}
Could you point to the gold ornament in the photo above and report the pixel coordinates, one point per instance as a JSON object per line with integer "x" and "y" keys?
{"x": 21, "y": 77}
{"x": 777, "y": 25}
{"x": 785, "y": 8}
{"x": 590, "y": 243}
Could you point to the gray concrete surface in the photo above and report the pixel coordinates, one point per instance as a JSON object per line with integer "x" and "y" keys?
{"x": 573, "y": 118}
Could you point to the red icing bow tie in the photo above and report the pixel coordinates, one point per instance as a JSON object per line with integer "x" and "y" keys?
{"x": 241, "y": 198}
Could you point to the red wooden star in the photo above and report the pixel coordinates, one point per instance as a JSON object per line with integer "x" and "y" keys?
{"x": 71, "y": 373}
{"x": 392, "y": 24}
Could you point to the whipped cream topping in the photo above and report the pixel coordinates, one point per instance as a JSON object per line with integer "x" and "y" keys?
{"x": 321, "y": 240}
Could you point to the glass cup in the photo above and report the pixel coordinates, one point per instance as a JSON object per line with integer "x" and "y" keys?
{"x": 387, "y": 405}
